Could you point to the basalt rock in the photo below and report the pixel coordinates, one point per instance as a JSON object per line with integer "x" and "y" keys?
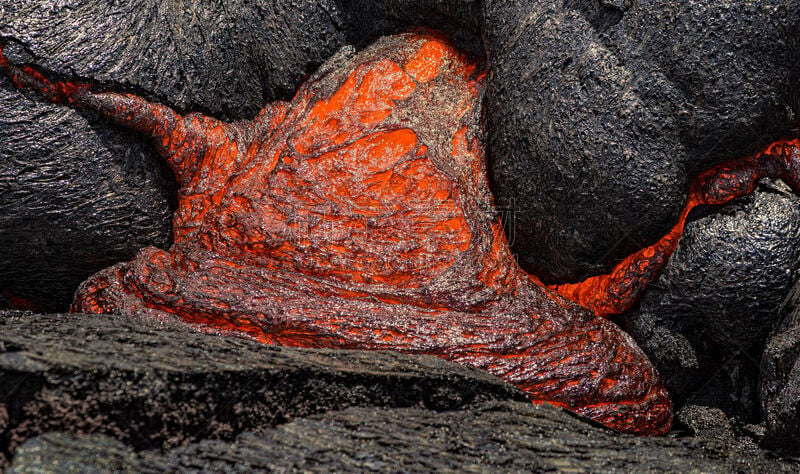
{"x": 780, "y": 381}
{"x": 600, "y": 111}
{"x": 75, "y": 196}
{"x": 226, "y": 58}
{"x": 160, "y": 384}
{"x": 491, "y": 436}
{"x": 705, "y": 322}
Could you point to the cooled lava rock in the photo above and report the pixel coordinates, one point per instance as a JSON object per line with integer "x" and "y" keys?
{"x": 490, "y": 436}
{"x": 600, "y": 111}
{"x": 132, "y": 393}
{"x": 226, "y": 58}
{"x": 705, "y": 322}
{"x": 75, "y": 195}
{"x": 780, "y": 381}
{"x": 154, "y": 384}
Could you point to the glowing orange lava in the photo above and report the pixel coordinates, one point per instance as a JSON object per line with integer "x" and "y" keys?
{"x": 358, "y": 216}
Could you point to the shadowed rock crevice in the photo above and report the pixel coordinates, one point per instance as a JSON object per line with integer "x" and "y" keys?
{"x": 779, "y": 384}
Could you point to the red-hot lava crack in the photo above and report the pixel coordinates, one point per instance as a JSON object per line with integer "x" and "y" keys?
{"x": 358, "y": 215}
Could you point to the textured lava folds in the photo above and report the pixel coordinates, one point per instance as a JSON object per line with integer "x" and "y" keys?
{"x": 358, "y": 215}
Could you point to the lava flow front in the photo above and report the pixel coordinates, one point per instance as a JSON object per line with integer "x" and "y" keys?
{"x": 358, "y": 215}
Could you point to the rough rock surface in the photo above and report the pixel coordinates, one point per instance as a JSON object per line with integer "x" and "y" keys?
{"x": 75, "y": 196}
{"x": 225, "y": 58}
{"x": 156, "y": 385}
{"x": 506, "y": 436}
{"x": 706, "y": 321}
{"x": 780, "y": 381}
{"x": 601, "y": 110}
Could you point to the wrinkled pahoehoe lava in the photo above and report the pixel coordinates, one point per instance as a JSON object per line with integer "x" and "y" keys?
{"x": 648, "y": 93}
{"x": 358, "y": 215}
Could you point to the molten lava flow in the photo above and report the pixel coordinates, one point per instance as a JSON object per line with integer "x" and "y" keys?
{"x": 358, "y": 215}
{"x": 617, "y": 291}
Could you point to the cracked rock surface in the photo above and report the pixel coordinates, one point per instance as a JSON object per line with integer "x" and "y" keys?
{"x": 102, "y": 392}
{"x": 779, "y": 382}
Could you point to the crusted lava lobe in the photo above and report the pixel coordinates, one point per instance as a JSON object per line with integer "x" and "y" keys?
{"x": 358, "y": 215}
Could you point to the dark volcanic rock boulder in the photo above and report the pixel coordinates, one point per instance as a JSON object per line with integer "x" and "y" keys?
{"x": 780, "y": 382}
{"x": 600, "y": 110}
{"x": 162, "y": 384}
{"x": 705, "y": 322}
{"x": 505, "y": 436}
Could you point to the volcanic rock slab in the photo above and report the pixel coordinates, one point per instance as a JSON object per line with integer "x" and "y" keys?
{"x": 491, "y": 436}
{"x": 780, "y": 381}
{"x": 162, "y": 384}
{"x": 600, "y": 111}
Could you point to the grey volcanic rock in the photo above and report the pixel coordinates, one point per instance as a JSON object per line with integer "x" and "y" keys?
{"x": 75, "y": 196}
{"x": 705, "y": 322}
{"x": 505, "y": 436}
{"x": 780, "y": 382}
{"x": 225, "y": 58}
{"x": 156, "y": 385}
{"x": 599, "y": 112}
